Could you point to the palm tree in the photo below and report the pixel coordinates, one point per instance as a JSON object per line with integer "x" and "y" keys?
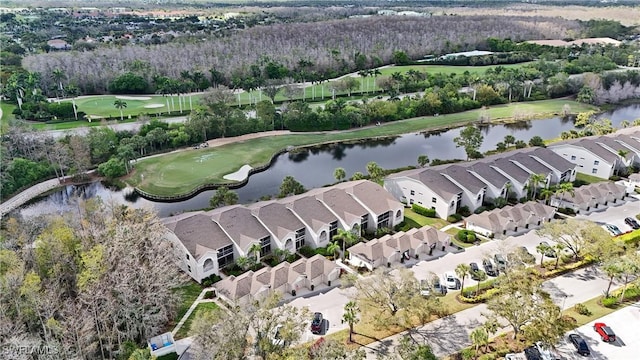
{"x": 557, "y": 249}
{"x": 423, "y": 160}
{"x": 350, "y": 316}
{"x": 542, "y": 249}
{"x": 462, "y": 270}
{"x": 333, "y": 248}
{"x": 58, "y": 75}
{"x": 625, "y": 123}
{"x": 255, "y": 249}
{"x": 244, "y": 262}
{"x": 480, "y": 277}
{"x": 339, "y": 174}
{"x": 479, "y": 337}
{"x": 348, "y": 237}
{"x": 120, "y": 104}
{"x": 222, "y": 197}
{"x": 534, "y": 181}
{"x": 509, "y": 140}
{"x": 546, "y": 194}
{"x": 613, "y": 270}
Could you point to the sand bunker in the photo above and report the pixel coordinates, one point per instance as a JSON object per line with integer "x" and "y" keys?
{"x": 141, "y": 98}
{"x": 153, "y": 106}
{"x": 239, "y": 175}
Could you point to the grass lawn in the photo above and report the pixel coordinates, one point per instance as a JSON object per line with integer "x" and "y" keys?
{"x": 7, "y": 111}
{"x": 188, "y": 294}
{"x": 199, "y": 310}
{"x": 597, "y": 311}
{"x": 588, "y": 178}
{"x": 419, "y": 221}
{"x": 103, "y": 105}
{"x": 181, "y": 172}
{"x": 446, "y": 69}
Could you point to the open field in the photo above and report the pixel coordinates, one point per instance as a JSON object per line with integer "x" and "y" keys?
{"x": 446, "y": 69}
{"x": 7, "y": 111}
{"x": 180, "y": 172}
{"x": 200, "y": 309}
{"x": 101, "y": 106}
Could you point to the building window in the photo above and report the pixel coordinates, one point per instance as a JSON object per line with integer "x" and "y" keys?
{"x": 208, "y": 265}
{"x": 573, "y": 157}
{"x": 479, "y": 196}
{"x": 300, "y": 235}
{"x": 433, "y": 208}
{"x": 333, "y": 229}
{"x": 453, "y": 203}
{"x": 364, "y": 222}
{"x": 225, "y": 256}
{"x": 412, "y": 192}
{"x": 594, "y": 171}
{"x": 398, "y": 214}
{"x": 187, "y": 256}
{"x": 383, "y": 220}
{"x": 323, "y": 237}
{"x": 433, "y": 200}
{"x": 265, "y": 245}
{"x": 411, "y": 201}
{"x": 189, "y": 268}
{"x": 596, "y": 162}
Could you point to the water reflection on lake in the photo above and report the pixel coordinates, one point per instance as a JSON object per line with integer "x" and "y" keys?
{"x": 314, "y": 167}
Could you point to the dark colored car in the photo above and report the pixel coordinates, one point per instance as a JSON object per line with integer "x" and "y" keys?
{"x": 549, "y": 251}
{"x": 605, "y": 332}
{"x": 501, "y": 263}
{"x": 580, "y": 344}
{"x": 473, "y": 267}
{"x": 476, "y": 273}
{"x": 532, "y": 353}
{"x": 316, "y": 323}
{"x": 489, "y": 268}
{"x": 632, "y": 222}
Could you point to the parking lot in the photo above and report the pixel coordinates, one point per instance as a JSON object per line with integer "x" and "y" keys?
{"x": 331, "y": 305}
{"x": 625, "y": 323}
{"x": 615, "y": 214}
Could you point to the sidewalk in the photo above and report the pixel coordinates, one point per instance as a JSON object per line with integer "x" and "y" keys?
{"x": 27, "y": 195}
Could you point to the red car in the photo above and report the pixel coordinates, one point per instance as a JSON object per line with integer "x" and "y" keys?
{"x": 605, "y": 332}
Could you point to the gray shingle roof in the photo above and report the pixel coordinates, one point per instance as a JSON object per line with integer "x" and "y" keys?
{"x": 488, "y": 173}
{"x": 595, "y": 148}
{"x": 611, "y": 143}
{"x": 310, "y": 210}
{"x": 529, "y": 163}
{"x": 511, "y": 169}
{"x": 342, "y": 204}
{"x": 438, "y": 183}
{"x": 240, "y": 224}
{"x": 277, "y": 217}
{"x": 556, "y": 161}
{"x": 463, "y": 177}
{"x": 195, "y": 229}
{"x": 372, "y": 195}
{"x": 628, "y": 141}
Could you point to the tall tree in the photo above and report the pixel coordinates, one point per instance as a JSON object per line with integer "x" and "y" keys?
{"x": 339, "y": 174}
{"x": 223, "y": 197}
{"x": 575, "y": 235}
{"x": 290, "y": 186}
{"x": 347, "y": 237}
{"x": 375, "y": 171}
{"x": 462, "y": 270}
{"x": 470, "y": 140}
{"x": 350, "y": 316}
{"x": 423, "y": 160}
{"x": 120, "y": 104}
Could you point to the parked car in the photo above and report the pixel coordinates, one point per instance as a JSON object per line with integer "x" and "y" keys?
{"x": 545, "y": 351}
{"x": 605, "y": 332}
{"x": 476, "y": 273}
{"x": 277, "y": 339}
{"x": 501, "y": 263}
{"x": 489, "y": 268}
{"x": 550, "y": 252}
{"x": 612, "y": 229}
{"x": 427, "y": 288}
{"x": 451, "y": 281}
{"x": 632, "y": 222}
{"x": 581, "y": 346}
{"x": 317, "y": 324}
{"x": 525, "y": 255}
{"x": 532, "y": 353}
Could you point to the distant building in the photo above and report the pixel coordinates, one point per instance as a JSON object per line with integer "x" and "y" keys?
{"x": 578, "y": 42}
{"x": 58, "y": 44}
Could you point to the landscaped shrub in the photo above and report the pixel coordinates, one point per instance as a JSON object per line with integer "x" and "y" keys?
{"x": 582, "y": 309}
{"x": 566, "y": 211}
{"x": 454, "y": 218}
{"x": 466, "y": 236}
{"x": 488, "y": 357}
{"x": 403, "y": 226}
{"x": 423, "y": 211}
{"x": 464, "y": 211}
{"x": 609, "y": 302}
{"x": 307, "y": 251}
{"x": 210, "y": 280}
{"x": 480, "y": 210}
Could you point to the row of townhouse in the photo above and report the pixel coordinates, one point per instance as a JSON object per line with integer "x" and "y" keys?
{"x": 590, "y": 197}
{"x": 602, "y": 156}
{"x": 394, "y": 248}
{"x": 205, "y": 242}
{"x": 447, "y": 188}
{"x": 284, "y": 277}
{"x": 510, "y": 220}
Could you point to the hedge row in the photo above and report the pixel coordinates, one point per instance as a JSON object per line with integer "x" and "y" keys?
{"x": 423, "y": 211}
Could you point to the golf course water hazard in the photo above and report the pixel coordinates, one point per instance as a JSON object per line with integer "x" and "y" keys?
{"x": 315, "y": 167}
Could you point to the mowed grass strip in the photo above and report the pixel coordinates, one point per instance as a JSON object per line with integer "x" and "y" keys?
{"x": 180, "y": 172}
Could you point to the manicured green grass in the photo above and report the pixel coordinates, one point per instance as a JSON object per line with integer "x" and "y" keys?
{"x": 597, "y": 311}
{"x": 445, "y": 69}
{"x": 589, "y": 179}
{"x": 188, "y": 294}
{"x": 7, "y": 111}
{"x": 102, "y": 106}
{"x": 417, "y": 220}
{"x": 198, "y": 311}
{"x": 181, "y": 172}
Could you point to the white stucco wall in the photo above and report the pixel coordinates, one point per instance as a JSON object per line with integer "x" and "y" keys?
{"x": 401, "y": 189}
{"x": 585, "y": 160}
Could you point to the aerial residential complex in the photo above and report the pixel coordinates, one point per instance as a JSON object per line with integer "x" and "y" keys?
{"x": 207, "y": 241}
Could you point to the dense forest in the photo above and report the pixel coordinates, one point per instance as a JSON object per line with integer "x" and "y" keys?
{"x": 327, "y": 47}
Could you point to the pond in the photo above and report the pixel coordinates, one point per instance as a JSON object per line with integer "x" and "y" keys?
{"x": 314, "y": 167}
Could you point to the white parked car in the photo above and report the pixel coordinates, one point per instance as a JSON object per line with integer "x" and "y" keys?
{"x": 451, "y": 281}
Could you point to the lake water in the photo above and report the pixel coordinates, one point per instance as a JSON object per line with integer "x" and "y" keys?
{"x": 314, "y": 167}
